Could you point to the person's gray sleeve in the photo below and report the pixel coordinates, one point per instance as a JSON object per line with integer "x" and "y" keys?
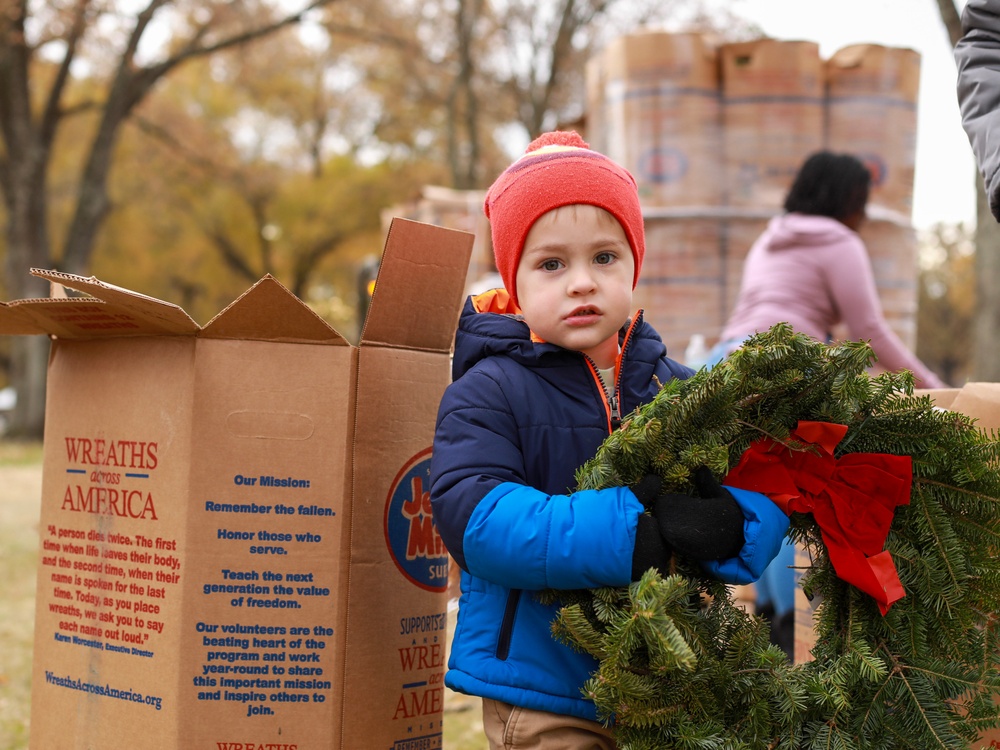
{"x": 977, "y": 55}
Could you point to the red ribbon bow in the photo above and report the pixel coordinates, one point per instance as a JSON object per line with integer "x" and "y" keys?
{"x": 851, "y": 498}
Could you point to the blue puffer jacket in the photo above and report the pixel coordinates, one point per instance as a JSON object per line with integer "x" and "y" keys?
{"x": 520, "y": 417}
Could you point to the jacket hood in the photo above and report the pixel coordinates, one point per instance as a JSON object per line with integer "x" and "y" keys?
{"x": 492, "y": 324}
{"x": 803, "y": 230}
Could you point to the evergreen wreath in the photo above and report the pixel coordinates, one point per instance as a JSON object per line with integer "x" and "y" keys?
{"x": 682, "y": 666}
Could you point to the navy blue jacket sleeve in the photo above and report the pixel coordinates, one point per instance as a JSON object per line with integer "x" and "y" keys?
{"x": 499, "y": 528}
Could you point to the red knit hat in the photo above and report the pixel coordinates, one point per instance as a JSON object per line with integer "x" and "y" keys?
{"x": 558, "y": 169}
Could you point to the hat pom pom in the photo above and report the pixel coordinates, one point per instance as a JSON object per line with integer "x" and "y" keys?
{"x": 565, "y": 138}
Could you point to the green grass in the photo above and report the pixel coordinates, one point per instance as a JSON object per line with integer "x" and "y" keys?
{"x": 17, "y": 453}
{"x": 20, "y": 493}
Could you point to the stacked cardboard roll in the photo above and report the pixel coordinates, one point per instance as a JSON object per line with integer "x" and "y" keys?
{"x": 661, "y": 116}
{"x": 657, "y": 95}
{"x": 714, "y": 137}
{"x": 681, "y": 288}
{"x": 892, "y": 249}
{"x": 772, "y": 114}
{"x": 772, "y": 119}
{"x": 742, "y": 228}
{"x": 872, "y": 112}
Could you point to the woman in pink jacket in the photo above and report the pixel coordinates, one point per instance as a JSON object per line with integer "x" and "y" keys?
{"x": 810, "y": 268}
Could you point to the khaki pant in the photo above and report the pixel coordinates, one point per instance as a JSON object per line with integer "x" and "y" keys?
{"x": 510, "y": 727}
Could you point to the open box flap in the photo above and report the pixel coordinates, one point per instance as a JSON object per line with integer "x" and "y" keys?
{"x": 39, "y": 316}
{"x": 125, "y": 312}
{"x": 420, "y": 287}
{"x": 268, "y": 311}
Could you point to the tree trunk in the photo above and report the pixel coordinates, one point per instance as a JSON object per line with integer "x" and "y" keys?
{"x": 29, "y": 362}
{"x": 986, "y": 321}
{"x": 27, "y": 246}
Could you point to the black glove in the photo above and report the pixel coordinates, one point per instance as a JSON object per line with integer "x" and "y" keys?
{"x": 708, "y": 527}
{"x": 651, "y": 549}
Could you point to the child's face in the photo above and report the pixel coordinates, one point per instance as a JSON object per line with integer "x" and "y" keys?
{"x": 574, "y": 280}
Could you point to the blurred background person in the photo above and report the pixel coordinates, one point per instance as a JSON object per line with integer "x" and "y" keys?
{"x": 810, "y": 268}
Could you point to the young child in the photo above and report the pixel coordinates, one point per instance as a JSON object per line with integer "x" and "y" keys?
{"x": 543, "y": 371}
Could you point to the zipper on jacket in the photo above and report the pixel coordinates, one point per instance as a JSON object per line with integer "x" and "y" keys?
{"x": 611, "y": 400}
{"x": 507, "y": 624}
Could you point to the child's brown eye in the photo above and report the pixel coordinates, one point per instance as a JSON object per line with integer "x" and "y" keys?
{"x": 604, "y": 258}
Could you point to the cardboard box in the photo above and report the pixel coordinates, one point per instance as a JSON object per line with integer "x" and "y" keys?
{"x": 978, "y": 400}
{"x": 236, "y": 543}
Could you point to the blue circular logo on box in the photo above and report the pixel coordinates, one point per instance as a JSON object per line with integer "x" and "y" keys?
{"x": 877, "y": 167}
{"x": 663, "y": 165}
{"x": 413, "y": 540}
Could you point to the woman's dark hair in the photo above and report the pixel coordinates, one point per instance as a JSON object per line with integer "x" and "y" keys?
{"x": 829, "y": 184}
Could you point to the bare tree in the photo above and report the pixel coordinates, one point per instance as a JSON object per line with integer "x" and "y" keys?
{"x": 33, "y": 108}
{"x": 553, "y": 47}
{"x": 986, "y": 320}
{"x": 474, "y": 69}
